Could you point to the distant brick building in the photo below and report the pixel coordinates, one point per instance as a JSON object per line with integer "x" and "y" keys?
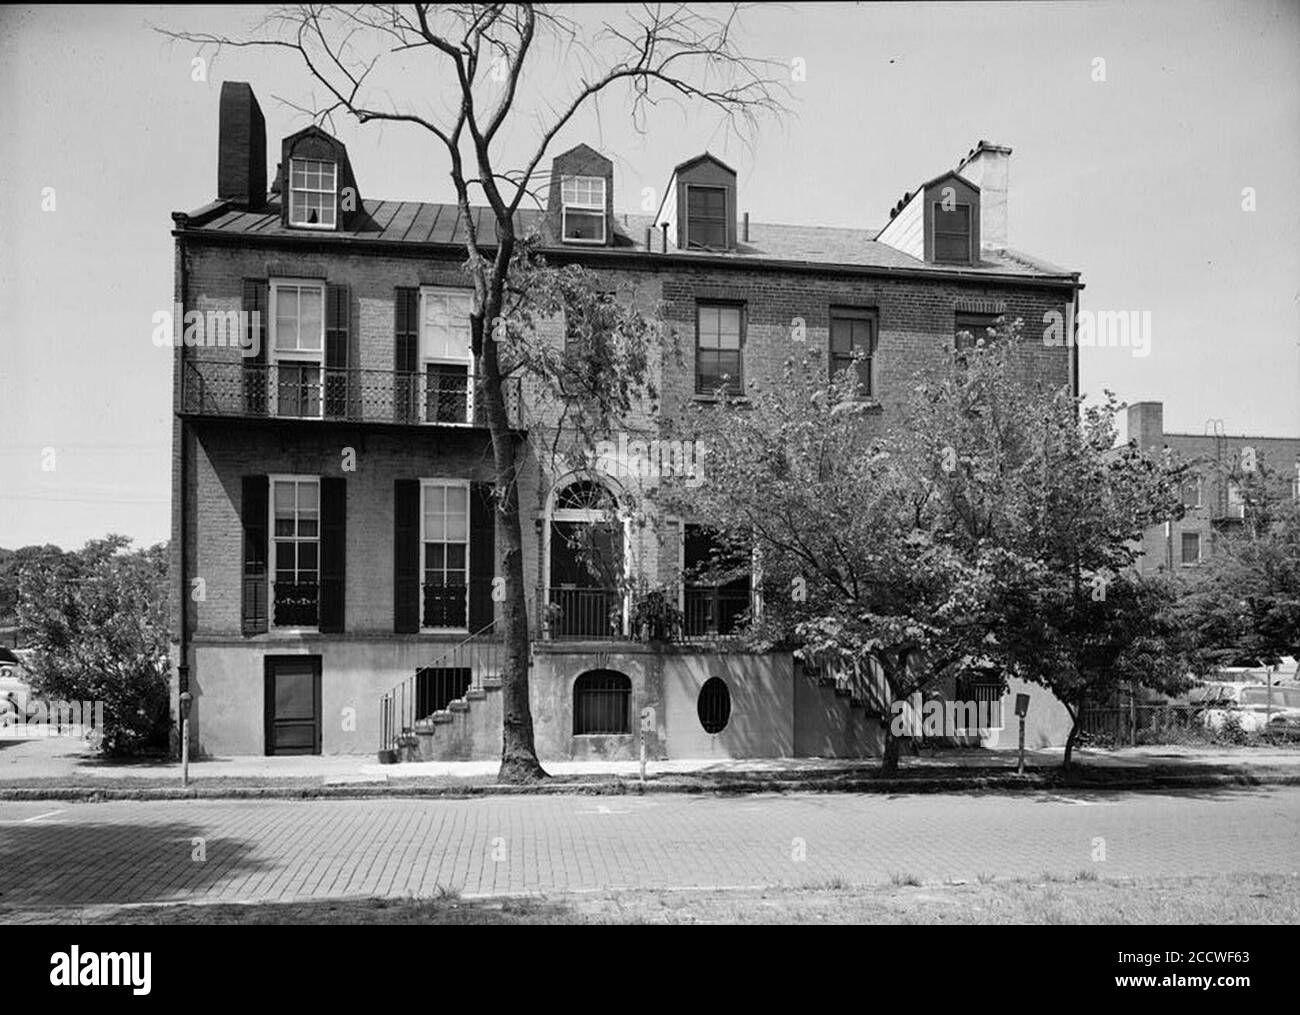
{"x": 1211, "y": 498}
{"x": 334, "y": 542}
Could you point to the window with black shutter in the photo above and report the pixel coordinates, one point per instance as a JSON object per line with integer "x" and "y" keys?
{"x": 482, "y": 555}
{"x": 254, "y": 511}
{"x": 406, "y": 556}
{"x": 333, "y": 552}
{"x": 406, "y": 335}
{"x": 338, "y": 317}
{"x": 255, "y": 303}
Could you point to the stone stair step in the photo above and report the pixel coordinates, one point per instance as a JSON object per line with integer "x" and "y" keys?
{"x": 475, "y": 694}
{"x": 459, "y": 705}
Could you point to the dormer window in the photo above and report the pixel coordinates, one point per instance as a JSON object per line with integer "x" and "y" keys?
{"x": 706, "y": 217}
{"x": 583, "y": 215}
{"x": 952, "y": 239}
{"x": 312, "y": 193}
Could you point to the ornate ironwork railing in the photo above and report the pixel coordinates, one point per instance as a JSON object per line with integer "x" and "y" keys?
{"x": 441, "y": 394}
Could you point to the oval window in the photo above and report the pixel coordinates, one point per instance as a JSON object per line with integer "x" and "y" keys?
{"x": 714, "y": 705}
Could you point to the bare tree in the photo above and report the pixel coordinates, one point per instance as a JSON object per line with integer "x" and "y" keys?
{"x": 480, "y": 55}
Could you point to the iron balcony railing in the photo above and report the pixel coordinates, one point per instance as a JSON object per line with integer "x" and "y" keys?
{"x": 600, "y": 614}
{"x": 439, "y": 395}
{"x": 431, "y": 689}
{"x": 573, "y": 613}
{"x": 713, "y": 612}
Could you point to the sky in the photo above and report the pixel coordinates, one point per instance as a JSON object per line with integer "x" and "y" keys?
{"x": 1132, "y": 170}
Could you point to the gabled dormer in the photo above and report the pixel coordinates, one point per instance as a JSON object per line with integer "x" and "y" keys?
{"x": 580, "y": 203}
{"x": 939, "y": 223}
{"x": 699, "y": 206}
{"x": 317, "y": 188}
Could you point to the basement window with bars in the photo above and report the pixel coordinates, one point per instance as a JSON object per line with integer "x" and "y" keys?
{"x": 602, "y": 703}
{"x": 583, "y": 209}
{"x": 312, "y": 193}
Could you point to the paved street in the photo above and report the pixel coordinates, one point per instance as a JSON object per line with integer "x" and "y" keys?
{"x": 56, "y": 854}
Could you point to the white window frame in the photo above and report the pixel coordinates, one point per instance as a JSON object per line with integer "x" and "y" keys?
{"x": 463, "y": 484}
{"x": 298, "y": 357}
{"x": 332, "y": 191}
{"x": 587, "y": 207}
{"x": 272, "y": 539}
{"x": 425, "y": 357}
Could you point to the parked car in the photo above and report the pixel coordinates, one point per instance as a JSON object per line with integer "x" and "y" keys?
{"x": 1249, "y": 703}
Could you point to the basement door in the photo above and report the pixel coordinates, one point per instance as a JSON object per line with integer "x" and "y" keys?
{"x": 293, "y": 704}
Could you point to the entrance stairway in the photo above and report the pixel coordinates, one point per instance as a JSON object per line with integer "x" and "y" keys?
{"x": 449, "y": 710}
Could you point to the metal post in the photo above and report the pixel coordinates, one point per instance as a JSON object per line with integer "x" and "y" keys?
{"x": 185, "y": 752}
{"x": 1020, "y": 768}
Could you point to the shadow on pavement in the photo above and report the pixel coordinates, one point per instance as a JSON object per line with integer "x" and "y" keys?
{"x": 114, "y": 863}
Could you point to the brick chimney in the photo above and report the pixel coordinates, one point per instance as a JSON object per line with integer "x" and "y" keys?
{"x": 987, "y": 166}
{"x": 1146, "y": 425}
{"x": 241, "y": 147}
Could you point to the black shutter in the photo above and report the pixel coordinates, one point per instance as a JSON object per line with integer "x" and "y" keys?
{"x": 338, "y": 315}
{"x": 256, "y": 302}
{"x": 406, "y": 556}
{"x": 482, "y": 555}
{"x": 333, "y": 551}
{"x": 254, "y": 506}
{"x": 406, "y": 343}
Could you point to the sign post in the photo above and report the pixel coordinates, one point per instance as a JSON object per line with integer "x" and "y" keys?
{"x": 186, "y": 699}
{"x": 1022, "y": 709}
{"x": 647, "y": 726}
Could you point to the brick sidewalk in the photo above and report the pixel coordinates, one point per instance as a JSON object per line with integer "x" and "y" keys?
{"x": 131, "y": 852}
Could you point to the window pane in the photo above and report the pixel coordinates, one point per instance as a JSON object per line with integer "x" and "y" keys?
{"x": 708, "y": 327}
{"x": 456, "y": 557}
{"x": 729, "y": 328}
{"x": 311, "y": 318}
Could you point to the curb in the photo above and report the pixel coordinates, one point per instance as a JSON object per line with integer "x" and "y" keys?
{"x": 1032, "y": 782}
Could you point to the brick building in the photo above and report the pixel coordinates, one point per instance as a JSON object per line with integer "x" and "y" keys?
{"x": 333, "y": 545}
{"x": 1212, "y": 496}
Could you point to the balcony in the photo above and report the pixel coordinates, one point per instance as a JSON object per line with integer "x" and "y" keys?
{"x": 599, "y": 614}
{"x": 440, "y": 396}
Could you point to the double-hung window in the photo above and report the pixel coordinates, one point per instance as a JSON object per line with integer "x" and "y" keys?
{"x": 297, "y": 347}
{"x": 853, "y": 344}
{"x": 952, "y": 234}
{"x": 1191, "y": 548}
{"x": 445, "y": 355}
{"x": 719, "y": 340}
{"x": 312, "y": 193}
{"x": 295, "y": 551}
{"x": 583, "y": 212}
{"x": 444, "y": 554}
{"x": 706, "y": 217}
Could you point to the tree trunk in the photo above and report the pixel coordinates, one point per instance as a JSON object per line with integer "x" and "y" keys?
{"x": 518, "y": 755}
{"x": 889, "y": 763}
{"x": 1076, "y": 715}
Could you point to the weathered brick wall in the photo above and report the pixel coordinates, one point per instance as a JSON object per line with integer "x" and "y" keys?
{"x": 916, "y": 323}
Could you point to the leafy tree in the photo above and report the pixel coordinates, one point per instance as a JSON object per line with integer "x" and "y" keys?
{"x": 98, "y": 621}
{"x": 1014, "y": 464}
{"x": 856, "y": 575}
{"x": 487, "y": 61}
{"x": 12, "y": 563}
{"x": 1243, "y": 604}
